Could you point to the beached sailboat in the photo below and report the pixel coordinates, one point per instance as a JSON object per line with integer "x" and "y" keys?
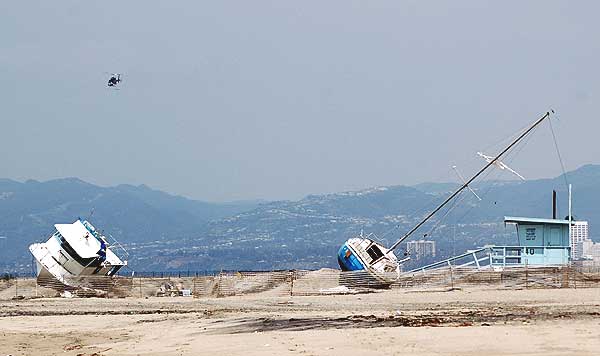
{"x": 73, "y": 252}
{"x": 368, "y": 258}
{"x": 376, "y": 265}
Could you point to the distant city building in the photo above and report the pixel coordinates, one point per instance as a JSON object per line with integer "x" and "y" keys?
{"x": 579, "y": 234}
{"x": 591, "y": 253}
{"x": 420, "y": 249}
{"x": 588, "y": 248}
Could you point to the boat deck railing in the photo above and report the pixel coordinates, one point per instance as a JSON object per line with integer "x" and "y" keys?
{"x": 506, "y": 256}
{"x": 479, "y": 258}
{"x": 115, "y": 245}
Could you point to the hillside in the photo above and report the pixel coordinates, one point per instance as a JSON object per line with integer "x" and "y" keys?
{"x": 165, "y": 232}
{"x": 130, "y": 213}
{"x": 308, "y": 232}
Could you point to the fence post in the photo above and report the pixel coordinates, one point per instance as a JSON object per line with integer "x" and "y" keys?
{"x": 194, "y": 280}
{"x": 451, "y": 277}
{"x": 16, "y": 286}
{"x": 219, "y": 284}
{"x": 564, "y": 278}
{"x": 141, "y": 293}
{"x": 526, "y": 276}
{"x": 292, "y": 276}
{"x": 108, "y": 289}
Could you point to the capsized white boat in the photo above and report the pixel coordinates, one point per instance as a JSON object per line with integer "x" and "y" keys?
{"x": 73, "y": 252}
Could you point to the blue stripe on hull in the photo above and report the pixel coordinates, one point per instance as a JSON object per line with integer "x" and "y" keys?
{"x": 348, "y": 260}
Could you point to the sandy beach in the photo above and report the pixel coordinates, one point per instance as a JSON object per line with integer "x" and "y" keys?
{"x": 396, "y": 322}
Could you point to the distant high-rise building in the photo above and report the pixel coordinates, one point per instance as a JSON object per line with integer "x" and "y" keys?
{"x": 588, "y": 248}
{"x": 420, "y": 248}
{"x": 579, "y": 233}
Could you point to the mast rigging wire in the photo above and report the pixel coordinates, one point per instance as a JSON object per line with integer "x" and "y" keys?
{"x": 511, "y": 155}
{"x": 497, "y": 173}
{"x": 562, "y": 165}
{"x": 537, "y": 122}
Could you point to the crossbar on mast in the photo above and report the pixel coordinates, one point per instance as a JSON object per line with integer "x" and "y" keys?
{"x": 466, "y": 184}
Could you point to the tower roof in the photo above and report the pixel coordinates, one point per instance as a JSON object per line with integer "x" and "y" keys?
{"x": 522, "y": 220}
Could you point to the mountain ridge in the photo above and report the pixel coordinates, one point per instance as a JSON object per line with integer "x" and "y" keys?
{"x": 303, "y": 233}
{"x": 131, "y": 214}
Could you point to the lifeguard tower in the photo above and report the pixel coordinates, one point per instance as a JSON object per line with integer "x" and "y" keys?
{"x": 541, "y": 242}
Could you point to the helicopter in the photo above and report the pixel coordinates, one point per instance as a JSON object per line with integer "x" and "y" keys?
{"x": 115, "y": 79}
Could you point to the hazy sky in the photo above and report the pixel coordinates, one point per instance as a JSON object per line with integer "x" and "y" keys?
{"x": 227, "y": 100}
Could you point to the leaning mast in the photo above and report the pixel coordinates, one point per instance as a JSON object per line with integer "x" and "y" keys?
{"x": 466, "y": 184}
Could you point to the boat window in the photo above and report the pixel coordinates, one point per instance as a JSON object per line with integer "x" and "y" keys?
{"x": 375, "y": 252}
{"x": 71, "y": 251}
{"x": 389, "y": 268}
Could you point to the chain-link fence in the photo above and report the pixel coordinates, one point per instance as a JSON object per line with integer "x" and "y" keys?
{"x": 293, "y": 283}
